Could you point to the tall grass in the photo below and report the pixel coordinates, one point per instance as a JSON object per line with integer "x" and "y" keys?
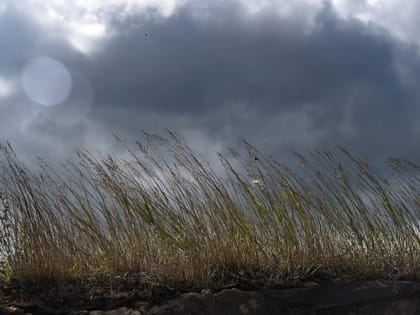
{"x": 165, "y": 214}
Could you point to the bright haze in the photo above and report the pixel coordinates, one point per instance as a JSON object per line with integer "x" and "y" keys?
{"x": 285, "y": 75}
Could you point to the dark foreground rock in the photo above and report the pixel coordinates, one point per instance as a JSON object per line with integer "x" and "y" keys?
{"x": 355, "y": 298}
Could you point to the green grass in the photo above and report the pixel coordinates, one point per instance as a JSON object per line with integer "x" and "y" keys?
{"x": 167, "y": 216}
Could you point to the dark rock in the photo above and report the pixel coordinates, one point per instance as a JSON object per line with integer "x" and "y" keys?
{"x": 231, "y": 301}
{"x": 142, "y": 307}
{"x": 98, "y": 303}
{"x": 345, "y": 294}
{"x": 356, "y": 298}
{"x": 102, "y": 303}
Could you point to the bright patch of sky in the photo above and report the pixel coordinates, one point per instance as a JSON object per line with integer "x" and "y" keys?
{"x": 3, "y": 7}
{"x": 6, "y": 88}
{"x": 86, "y": 23}
{"x": 397, "y": 16}
{"x": 46, "y": 81}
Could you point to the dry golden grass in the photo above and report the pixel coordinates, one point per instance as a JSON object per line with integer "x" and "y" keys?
{"x": 173, "y": 219}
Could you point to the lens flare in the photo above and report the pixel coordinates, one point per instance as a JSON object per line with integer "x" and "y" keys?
{"x": 46, "y": 81}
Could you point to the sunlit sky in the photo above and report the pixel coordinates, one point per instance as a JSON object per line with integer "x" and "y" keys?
{"x": 286, "y": 75}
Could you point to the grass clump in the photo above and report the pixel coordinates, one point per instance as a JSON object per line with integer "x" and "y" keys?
{"x": 164, "y": 216}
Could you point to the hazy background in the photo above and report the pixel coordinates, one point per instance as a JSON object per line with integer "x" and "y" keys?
{"x": 285, "y": 75}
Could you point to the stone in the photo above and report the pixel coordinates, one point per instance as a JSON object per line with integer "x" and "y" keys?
{"x": 355, "y": 298}
{"x": 345, "y": 293}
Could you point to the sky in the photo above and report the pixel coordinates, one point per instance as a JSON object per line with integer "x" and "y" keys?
{"x": 297, "y": 75}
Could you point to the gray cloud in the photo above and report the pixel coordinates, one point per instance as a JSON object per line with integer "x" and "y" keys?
{"x": 219, "y": 79}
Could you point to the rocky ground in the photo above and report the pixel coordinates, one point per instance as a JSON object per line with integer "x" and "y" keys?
{"x": 362, "y": 297}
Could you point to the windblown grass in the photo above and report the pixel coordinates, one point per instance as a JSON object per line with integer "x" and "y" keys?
{"x": 170, "y": 217}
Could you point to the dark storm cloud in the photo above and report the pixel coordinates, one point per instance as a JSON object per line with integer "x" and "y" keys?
{"x": 261, "y": 78}
{"x": 231, "y": 76}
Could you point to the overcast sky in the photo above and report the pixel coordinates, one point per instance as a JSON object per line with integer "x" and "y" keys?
{"x": 285, "y": 75}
